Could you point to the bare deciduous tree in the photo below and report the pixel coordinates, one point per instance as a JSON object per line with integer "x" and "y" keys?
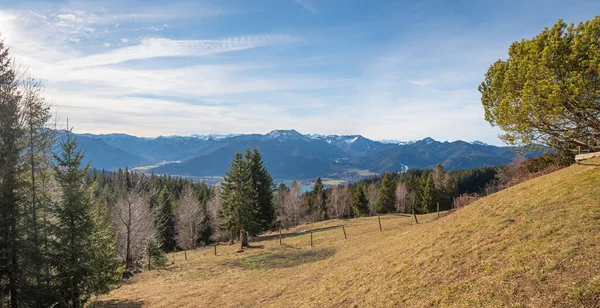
{"x": 133, "y": 223}
{"x": 294, "y": 207}
{"x": 340, "y": 204}
{"x": 372, "y": 195}
{"x": 333, "y": 201}
{"x": 442, "y": 180}
{"x": 214, "y": 207}
{"x": 401, "y": 197}
{"x": 188, "y": 215}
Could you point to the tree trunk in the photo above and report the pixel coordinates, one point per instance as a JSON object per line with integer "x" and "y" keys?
{"x": 128, "y": 262}
{"x": 244, "y": 239}
{"x": 34, "y": 203}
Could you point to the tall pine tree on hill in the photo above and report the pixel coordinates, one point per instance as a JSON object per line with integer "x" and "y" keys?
{"x": 262, "y": 183}
{"x": 319, "y": 200}
{"x": 165, "y": 220}
{"x": 239, "y": 201}
{"x": 10, "y": 209}
{"x": 83, "y": 247}
{"x": 427, "y": 194}
{"x": 386, "y": 202}
{"x": 360, "y": 203}
{"x": 247, "y": 198}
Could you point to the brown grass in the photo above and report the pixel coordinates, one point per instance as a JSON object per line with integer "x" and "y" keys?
{"x": 536, "y": 244}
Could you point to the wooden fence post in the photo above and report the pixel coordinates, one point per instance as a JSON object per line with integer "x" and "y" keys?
{"x": 280, "y": 237}
{"x": 415, "y": 215}
{"x": 344, "y": 229}
{"x": 379, "y": 218}
{"x": 185, "y": 253}
{"x": 438, "y": 209}
{"x": 242, "y": 240}
{"x": 215, "y": 249}
{"x": 311, "y": 244}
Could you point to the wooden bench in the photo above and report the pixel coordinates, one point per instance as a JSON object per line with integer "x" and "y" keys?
{"x": 581, "y": 157}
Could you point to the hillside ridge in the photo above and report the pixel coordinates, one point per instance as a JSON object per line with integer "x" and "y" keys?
{"x": 533, "y": 244}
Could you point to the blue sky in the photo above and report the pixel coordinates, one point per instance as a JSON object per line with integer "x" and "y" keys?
{"x": 384, "y": 69}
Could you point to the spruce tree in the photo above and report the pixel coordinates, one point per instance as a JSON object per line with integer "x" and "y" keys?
{"x": 427, "y": 194}
{"x": 10, "y": 210}
{"x": 262, "y": 183}
{"x": 206, "y": 223}
{"x": 239, "y": 199}
{"x": 165, "y": 220}
{"x": 386, "y": 201}
{"x": 82, "y": 250}
{"x": 360, "y": 203}
{"x": 36, "y": 155}
{"x": 319, "y": 200}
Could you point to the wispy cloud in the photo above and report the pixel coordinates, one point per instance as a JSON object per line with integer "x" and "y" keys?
{"x": 421, "y": 82}
{"x": 392, "y": 71}
{"x": 161, "y": 47}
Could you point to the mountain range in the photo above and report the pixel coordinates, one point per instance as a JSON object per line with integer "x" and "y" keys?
{"x": 288, "y": 154}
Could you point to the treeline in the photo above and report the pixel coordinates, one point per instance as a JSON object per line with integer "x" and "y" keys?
{"x": 416, "y": 191}
{"x": 153, "y": 214}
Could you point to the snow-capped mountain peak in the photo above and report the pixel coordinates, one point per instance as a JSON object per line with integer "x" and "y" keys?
{"x": 428, "y": 140}
{"x": 282, "y": 134}
{"x": 477, "y": 142}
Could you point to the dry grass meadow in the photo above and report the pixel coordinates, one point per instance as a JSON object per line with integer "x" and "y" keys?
{"x": 536, "y": 244}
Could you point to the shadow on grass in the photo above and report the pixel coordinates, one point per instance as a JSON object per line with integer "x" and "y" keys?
{"x": 114, "y": 303}
{"x": 286, "y": 235}
{"x": 255, "y": 247}
{"x": 269, "y": 260}
{"x": 290, "y": 246}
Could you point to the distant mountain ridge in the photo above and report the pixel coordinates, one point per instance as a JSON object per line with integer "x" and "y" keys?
{"x": 288, "y": 154}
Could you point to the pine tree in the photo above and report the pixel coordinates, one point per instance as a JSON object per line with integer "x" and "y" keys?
{"x": 319, "y": 200}
{"x": 36, "y": 155}
{"x": 165, "y": 220}
{"x": 10, "y": 182}
{"x": 262, "y": 184}
{"x": 239, "y": 199}
{"x": 386, "y": 202}
{"x": 427, "y": 194}
{"x": 360, "y": 203}
{"x": 206, "y": 223}
{"x": 83, "y": 247}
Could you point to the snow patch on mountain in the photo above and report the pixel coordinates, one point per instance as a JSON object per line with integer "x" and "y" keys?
{"x": 281, "y": 134}
{"x": 407, "y": 142}
{"x": 477, "y": 142}
{"x": 214, "y": 136}
{"x": 349, "y": 139}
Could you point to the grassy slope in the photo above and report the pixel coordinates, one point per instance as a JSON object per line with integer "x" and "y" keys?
{"x": 535, "y": 244}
